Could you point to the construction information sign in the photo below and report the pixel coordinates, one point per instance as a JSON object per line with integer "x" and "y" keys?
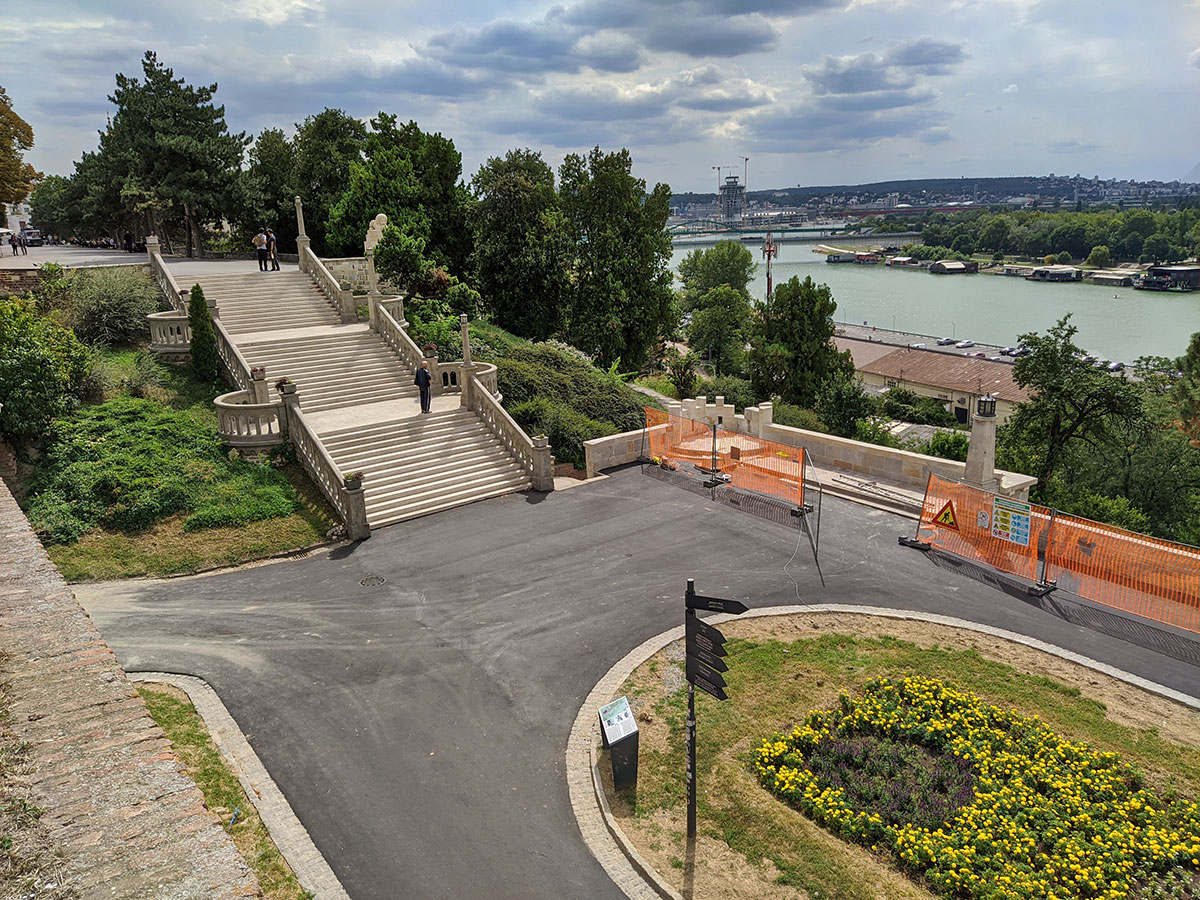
{"x": 1010, "y": 520}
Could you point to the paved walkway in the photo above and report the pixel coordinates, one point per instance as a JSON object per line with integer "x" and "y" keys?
{"x": 413, "y": 696}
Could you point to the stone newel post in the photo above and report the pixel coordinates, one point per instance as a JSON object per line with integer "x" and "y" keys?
{"x": 468, "y": 368}
{"x": 357, "y": 528}
{"x": 981, "y": 456}
{"x": 543, "y": 464}
{"x": 152, "y": 248}
{"x": 258, "y": 385}
{"x": 302, "y": 240}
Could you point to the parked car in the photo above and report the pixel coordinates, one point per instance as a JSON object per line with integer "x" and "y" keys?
{"x": 945, "y": 342}
{"x": 1009, "y": 351}
{"x": 999, "y": 359}
{"x": 1116, "y": 367}
{"x": 962, "y": 344}
{"x": 33, "y": 237}
{"x": 1021, "y": 351}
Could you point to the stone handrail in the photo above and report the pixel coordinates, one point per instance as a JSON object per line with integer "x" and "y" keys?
{"x": 452, "y": 377}
{"x": 341, "y": 300}
{"x": 169, "y": 332}
{"x": 348, "y": 503}
{"x": 501, "y": 424}
{"x": 166, "y": 281}
{"x": 398, "y": 339}
{"x": 235, "y": 364}
{"x": 246, "y": 425}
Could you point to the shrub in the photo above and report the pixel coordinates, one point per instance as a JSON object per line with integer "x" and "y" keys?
{"x": 948, "y": 445}
{"x": 903, "y": 404}
{"x": 111, "y": 304}
{"x": 205, "y": 361}
{"x": 842, "y": 404}
{"x": 462, "y": 298}
{"x": 681, "y": 370}
{"x": 566, "y": 428}
{"x": 796, "y": 416}
{"x": 128, "y": 463}
{"x": 874, "y": 430}
{"x": 42, "y": 367}
{"x": 735, "y": 390}
{"x": 147, "y": 373}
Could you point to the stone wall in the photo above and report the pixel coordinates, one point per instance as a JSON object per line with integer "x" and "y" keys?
{"x": 124, "y": 818}
{"x": 871, "y": 461}
{"x": 18, "y": 281}
{"x": 354, "y": 270}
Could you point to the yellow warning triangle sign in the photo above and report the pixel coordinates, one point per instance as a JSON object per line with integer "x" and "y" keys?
{"x": 946, "y": 517}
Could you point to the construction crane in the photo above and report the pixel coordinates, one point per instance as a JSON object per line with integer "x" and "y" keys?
{"x": 745, "y": 187}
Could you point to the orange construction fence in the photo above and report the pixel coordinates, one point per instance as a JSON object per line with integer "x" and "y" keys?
{"x": 751, "y": 464}
{"x": 1151, "y": 578}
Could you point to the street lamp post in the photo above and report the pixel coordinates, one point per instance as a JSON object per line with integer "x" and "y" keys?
{"x": 953, "y": 330}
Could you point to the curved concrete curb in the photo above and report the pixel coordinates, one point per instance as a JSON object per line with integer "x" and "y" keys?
{"x": 604, "y": 837}
{"x": 310, "y": 867}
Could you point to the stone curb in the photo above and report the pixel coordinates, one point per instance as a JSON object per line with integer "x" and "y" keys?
{"x": 604, "y": 837}
{"x": 292, "y": 839}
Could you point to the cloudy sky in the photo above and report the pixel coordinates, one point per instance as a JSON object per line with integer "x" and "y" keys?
{"x": 813, "y": 91}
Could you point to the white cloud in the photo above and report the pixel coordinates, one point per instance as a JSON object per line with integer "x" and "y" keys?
{"x": 1194, "y": 57}
{"x": 1011, "y": 89}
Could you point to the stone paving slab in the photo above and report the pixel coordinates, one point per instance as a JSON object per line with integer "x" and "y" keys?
{"x": 128, "y": 823}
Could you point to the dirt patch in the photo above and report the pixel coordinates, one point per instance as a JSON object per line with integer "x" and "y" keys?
{"x": 714, "y": 870}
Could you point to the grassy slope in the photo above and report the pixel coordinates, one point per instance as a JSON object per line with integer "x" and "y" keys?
{"x": 165, "y": 548}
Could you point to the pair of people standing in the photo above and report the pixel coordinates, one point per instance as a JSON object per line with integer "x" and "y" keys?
{"x": 268, "y": 250}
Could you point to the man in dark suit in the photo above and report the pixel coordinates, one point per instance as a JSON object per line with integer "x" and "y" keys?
{"x": 424, "y": 380}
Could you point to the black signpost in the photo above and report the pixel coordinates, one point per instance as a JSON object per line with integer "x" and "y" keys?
{"x": 705, "y": 648}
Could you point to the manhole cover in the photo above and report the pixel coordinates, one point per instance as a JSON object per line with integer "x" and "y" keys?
{"x": 373, "y": 581}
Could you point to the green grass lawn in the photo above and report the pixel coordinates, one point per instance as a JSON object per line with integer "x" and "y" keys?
{"x": 135, "y": 483}
{"x": 223, "y": 793}
{"x": 774, "y": 684}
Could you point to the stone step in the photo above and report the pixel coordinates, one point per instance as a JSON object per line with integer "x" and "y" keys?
{"x": 412, "y": 487}
{"x": 378, "y": 389}
{"x": 466, "y": 461}
{"x": 315, "y": 354}
{"x": 409, "y": 458}
{"x": 399, "y": 509}
{"x": 435, "y": 423}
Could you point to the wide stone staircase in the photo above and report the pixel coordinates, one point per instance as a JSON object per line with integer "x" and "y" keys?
{"x": 426, "y": 463}
{"x": 358, "y": 397}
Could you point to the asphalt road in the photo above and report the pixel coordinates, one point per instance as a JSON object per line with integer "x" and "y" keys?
{"x": 418, "y": 726}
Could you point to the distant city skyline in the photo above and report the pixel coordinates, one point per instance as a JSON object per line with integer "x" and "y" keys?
{"x": 815, "y": 92}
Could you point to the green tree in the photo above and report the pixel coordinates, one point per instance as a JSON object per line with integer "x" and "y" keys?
{"x": 522, "y": 245}
{"x": 1100, "y": 257}
{"x": 681, "y": 371}
{"x": 400, "y": 255}
{"x": 994, "y": 235}
{"x": 49, "y": 207}
{"x": 719, "y": 327}
{"x": 792, "y": 353}
{"x": 1070, "y": 403}
{"x": 325, "y": 146}
{"x": 169, "y": 148}
{"x": 42, "y": 366}
{"x": 1186, "y": 389}
{"x": 620, "y": 297}
{"x": 17, "y": 177}
{"x": 727, "y": 262}
{"x": 271, "y": 188}
{"x": 842, "y": 403}
{"x": 205, "y": 361}
{"x": 385, "y": 183}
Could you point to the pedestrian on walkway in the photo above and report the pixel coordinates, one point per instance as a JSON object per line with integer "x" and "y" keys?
{"x": 260, "y": 244}
{"x": 24, "y": 244}
{"x": 424, "y": 380}
{"x": 12, "y": 242}
{"x": 273, "y": 250}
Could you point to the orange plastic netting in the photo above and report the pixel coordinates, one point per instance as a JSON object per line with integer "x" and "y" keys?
{"x": 1148, "y": 577}
{"x": 752, "y": 464}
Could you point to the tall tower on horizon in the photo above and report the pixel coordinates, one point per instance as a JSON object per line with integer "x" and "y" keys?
{"x": 731, "y": 200}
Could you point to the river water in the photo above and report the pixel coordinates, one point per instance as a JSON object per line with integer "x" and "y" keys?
{"x": 990, "y": 309}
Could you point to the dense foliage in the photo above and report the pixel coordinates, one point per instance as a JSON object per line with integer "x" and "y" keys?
{"x": 206, "y": 364}
{"x": 111, "y": 304}
{"x": 42, "y": 368}
{"x": 16, "y": 175}
{"x": 992, "y": 804}
{"x": 126, "y": 464}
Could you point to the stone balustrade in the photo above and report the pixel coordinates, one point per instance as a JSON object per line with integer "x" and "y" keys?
{"x": 870, "y": 461}
{"x": 348, "y": 502}
{"x": 532, "y": 453}
{"x": 176, "y": 296}
{"x": 339, "y": 297}
{"x": 231, "y": 357}
{"x": 247, "y": 426}
{"x": 170, "y": 336}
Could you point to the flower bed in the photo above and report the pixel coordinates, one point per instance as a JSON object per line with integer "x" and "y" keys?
{"x": 1046, "y": 817}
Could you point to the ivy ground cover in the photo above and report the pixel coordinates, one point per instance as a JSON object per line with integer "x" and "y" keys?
{"x": 982, "y": 801}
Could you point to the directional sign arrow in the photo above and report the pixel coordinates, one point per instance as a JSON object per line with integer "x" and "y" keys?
{"x": 709, "y": 659}
{"x": 708, "y": 688}
{"x": 702, "y": 635}
{"x": 697, "y": 669}
{"x": 715, "y": 604}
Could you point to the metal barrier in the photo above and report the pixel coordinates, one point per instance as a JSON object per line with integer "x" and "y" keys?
{"x": 1148, "y": 577}
{"x": 715, "y": 456}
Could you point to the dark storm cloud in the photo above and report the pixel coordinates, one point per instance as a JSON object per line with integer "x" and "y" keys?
{"x": 897, "y": 68}
{"x": 519, "y": 47}
{"x": 431, "y": 78}
{"x": 925, "y": 54}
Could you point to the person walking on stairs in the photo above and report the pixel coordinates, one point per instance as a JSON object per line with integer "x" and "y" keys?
{"x": 260, "y": 244}
{"x": 424, "y": 380}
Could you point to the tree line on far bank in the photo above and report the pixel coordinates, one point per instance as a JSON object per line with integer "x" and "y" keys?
{"x": 1099, "y": 237}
